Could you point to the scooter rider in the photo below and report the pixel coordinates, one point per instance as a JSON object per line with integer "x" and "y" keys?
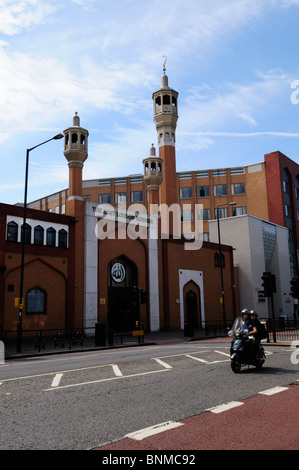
{"x": 245, "y": 319}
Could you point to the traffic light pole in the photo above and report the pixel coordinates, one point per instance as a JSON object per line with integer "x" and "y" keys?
{"x": 273, "y": 319}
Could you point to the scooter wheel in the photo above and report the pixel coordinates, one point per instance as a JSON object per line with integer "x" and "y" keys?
{"x": 236, "y": 366}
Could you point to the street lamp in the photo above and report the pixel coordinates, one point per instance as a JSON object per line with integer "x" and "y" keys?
{"x": 220, "y": 261}
{"x": 21, "y": 303}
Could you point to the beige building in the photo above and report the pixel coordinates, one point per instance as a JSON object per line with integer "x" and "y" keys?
{"x": 258, "y": 246}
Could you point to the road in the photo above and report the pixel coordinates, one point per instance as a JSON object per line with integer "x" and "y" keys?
{"x": 100, "y": 399}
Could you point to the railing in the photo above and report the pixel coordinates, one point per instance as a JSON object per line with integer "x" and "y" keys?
{"x": 283, "y": 329}
{"x": 66, "y": 339}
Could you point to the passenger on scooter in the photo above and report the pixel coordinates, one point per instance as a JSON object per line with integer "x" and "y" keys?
{"x": 253, "y": 327}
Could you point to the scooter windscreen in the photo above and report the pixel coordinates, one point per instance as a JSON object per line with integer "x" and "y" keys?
{"x": 238, "y": 325}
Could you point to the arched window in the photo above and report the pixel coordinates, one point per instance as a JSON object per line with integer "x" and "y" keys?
{"x": 27, "y": 237}
{"x": 74, "y": 138}
{"x": 82, "y": 139}
{"x": 62, "y": 238}
{"x": 38, "y": 235}
{"x": 12, "y": 232}
{"x": 216, "y": 260}
{"x": 67, "y": 139}
{"x": 35, "y": 302}
{"x": 166, "y": 99}
{"x": 51, "y": 237}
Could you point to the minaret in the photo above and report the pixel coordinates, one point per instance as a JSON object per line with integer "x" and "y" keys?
{"x": 75, "y": 151}
{"x": 165, "y": 117}
{"x": 153, "y": 176}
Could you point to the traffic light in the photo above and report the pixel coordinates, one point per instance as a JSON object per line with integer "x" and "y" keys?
{"x": 143, "y": 296}
{"x": 295, "y": 287}
{"x": 268, "y": 284}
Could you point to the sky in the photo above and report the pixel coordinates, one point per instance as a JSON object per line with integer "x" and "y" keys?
{"x": 235, "y": 64}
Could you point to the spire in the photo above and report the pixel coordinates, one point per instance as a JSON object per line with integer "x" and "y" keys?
{"x": 164, "y": 77}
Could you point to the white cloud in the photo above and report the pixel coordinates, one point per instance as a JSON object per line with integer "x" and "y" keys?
{"x": 18, "y": 15}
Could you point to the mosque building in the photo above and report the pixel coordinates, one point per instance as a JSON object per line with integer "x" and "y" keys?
{"x": 143, "y": 248}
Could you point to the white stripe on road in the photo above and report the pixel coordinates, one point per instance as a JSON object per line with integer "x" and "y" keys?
{"x": 162, "y": 363}
{"x": 221, "y": 352}
{"x": 272, "y": 391}
{"x": 225, "y": 406}
{"x": 104, "y": 380}
{"x": 197, "y": 359}
{"x": 151, "y": 431}
{"x": 117, "y": 371}
{"x": 56, "y": 380}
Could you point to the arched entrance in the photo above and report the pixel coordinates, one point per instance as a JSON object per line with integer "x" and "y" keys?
{"x": 192, "y": 305}
{"x": 123, "y": 302}
{"x": 191, "y": 309}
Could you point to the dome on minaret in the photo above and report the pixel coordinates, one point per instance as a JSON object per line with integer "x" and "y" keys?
{"x": 76, "y": 120}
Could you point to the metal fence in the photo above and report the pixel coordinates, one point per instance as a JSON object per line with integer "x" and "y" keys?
{"x": 66, "y": 339}
{"x": 282, "y": 329}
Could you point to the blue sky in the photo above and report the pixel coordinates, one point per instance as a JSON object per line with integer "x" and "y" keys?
{"x": 233, "y": 63}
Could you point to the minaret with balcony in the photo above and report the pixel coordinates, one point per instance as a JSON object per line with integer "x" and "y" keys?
{"x": 165, "y": 117}
{"x": 75, "y": 151}
{"x": 153, "y": 176}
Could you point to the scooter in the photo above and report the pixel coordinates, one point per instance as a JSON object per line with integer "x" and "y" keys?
{"x": 242, "y": 351}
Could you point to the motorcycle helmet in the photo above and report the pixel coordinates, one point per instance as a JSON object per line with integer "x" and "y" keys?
{"x": 245, "y": 311}
{"x": 253, "y": 312}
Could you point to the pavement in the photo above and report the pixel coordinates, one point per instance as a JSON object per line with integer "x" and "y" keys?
{"x": 150, "y": 338}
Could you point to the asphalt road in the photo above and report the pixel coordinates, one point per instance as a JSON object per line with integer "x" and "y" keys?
{"x": 89, "y": 400}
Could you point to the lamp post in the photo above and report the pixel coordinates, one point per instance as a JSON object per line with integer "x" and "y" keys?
{"x": 21, "y": 302}
{"x": 220, "y": 262}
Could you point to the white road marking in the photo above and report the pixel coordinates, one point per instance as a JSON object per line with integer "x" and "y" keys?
{"x": 162, "y": 363}
{"x": 56, "y": 380}
{"x": 104, "y": 380}
{"x": 117, "y": 371}
{"x": 221, "y": 352}
{"x": 272, "y": 391}
{"x": 151, "y": 431}
{"x": 53, "y": 373}
{"x": 197, "y": 359}
{"x": 225, "y": 406}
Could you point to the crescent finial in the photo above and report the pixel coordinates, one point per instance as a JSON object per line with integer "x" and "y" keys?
{"x": 165, "y": 60}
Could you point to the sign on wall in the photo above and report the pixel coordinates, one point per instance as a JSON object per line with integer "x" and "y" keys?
{"x": 118, "y": 272}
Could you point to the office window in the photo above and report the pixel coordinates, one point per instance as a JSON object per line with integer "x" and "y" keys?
{"x": 12, "y": 232}
{"x": 105, "y": 198}
{"x": 187, "y": 216}
{"x": 204, "y": 214}
{"x": 136, "y": 196}
{"x": 51, "y": 237}
{"x": 38, "y": 235}
{"x": 220, "y": 190}
{"x": 202, "y": 191}
{"x": 222, "y": 212}
{"x": 185, "y": 193}
{"x": 35, "y": 301}
{"x": 238, "y": 188}
{"x": 120, "y": 198}
{"x": 241, "y": 210}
